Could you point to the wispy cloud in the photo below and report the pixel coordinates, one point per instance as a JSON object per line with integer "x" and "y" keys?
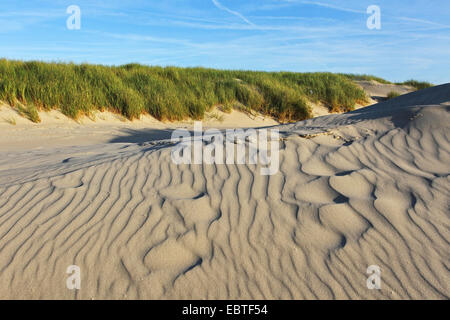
{"x": 36, "y": 14}
{"x": 327, "y": 5}
{"x": 346, "y": 9}
{"x": 237, "y": 14}
{"x": 423, "y": 22}
{"x": 146, "y": 38}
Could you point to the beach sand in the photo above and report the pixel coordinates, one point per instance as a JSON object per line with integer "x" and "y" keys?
{"x": 369, "y": 187}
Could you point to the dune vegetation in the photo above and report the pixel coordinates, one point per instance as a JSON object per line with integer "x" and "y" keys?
{"x": 392, "y": 95}
{"x": 169, "y": 93}
{"x": 418, "y": 85}
{"x": 365, "y": 77}
{"x": 172, "y": 93}
{"x": 28, "y": 111}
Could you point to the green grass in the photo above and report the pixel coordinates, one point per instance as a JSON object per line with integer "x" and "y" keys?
{"x": 215, "y": 116}
{"x": 366, "y": 77}
{"x": 29, "y": 111}
{"x": 11, "y": 121}
{"x": 418, "y": 85}
{"x": 393, "y": 94}
{"x": 169, "y": 93}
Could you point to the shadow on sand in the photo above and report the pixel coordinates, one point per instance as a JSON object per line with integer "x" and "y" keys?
{"x": 141, "y": 136}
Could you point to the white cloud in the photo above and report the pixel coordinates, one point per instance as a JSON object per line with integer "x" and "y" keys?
{"x": 423, "y": 22}
{"x": 327, "y": 5}
{"x": 237, "y": 14}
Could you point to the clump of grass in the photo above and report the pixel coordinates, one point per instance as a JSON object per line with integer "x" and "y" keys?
{"x": 365, "y": 77}
{"x": 418, "y": 85}
{"x": 392, "y": 94}
{"x": 216, "y": 116}
{"x": 170, "y": 93}
{"x": 11, "y": 121}
{"x": 227, "y": 108}
{"x": 30, "y": 112}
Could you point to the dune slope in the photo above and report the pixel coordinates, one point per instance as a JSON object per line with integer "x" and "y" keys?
{"x": 370, "y": 187}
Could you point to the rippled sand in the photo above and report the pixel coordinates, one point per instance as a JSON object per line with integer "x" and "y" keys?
{"x": 365, "y": 188}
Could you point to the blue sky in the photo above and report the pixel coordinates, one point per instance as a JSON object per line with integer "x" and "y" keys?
{"x": 272, "y": 35}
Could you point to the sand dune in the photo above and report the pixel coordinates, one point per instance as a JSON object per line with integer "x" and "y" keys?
{"x": 370, "y": 187}
{"x": 379, "y": 91}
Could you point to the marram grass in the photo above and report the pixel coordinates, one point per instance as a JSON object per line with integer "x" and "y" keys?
{"x": 418, "y": 85}
{"x": 392, "y": 95}
{"x": 169, "y": 93}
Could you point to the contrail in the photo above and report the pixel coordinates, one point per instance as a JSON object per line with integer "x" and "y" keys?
{"x": 221, "y": 7}
{"x": 327, "y": 5}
